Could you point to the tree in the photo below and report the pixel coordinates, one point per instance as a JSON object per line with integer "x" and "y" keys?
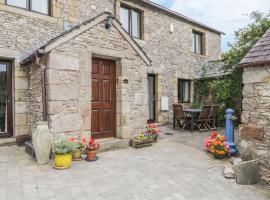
{"x": 228, "y": 91}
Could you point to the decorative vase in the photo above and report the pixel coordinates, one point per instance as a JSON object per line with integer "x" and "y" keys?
{"x": 91, "y": 155}
{"x": 42, "y": 141}
{"x": 77, "y": 154}
{"x": 63, "y": 161}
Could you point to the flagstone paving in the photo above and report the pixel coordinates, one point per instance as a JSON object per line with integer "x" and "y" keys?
{"x": 169, "y": 170}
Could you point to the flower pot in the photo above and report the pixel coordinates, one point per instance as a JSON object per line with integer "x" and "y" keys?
{"x": 220, "y": 156}
{"x": 91, "y": 155}
{"x": 77, "y": 154}
{"x": 155, "y": 138}
{"x": 63, "y": 161}
{"x": 42, "y": 142}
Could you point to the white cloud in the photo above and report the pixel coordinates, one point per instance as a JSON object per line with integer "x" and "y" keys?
{"x": 225, "y": 15}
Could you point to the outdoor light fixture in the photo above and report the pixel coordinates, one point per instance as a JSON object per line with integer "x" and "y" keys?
{"x": 108, "y": 24}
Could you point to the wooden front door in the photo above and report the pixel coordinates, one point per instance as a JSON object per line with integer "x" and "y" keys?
{"x": 103, "y": 98}
{"x": 6, "y": 122}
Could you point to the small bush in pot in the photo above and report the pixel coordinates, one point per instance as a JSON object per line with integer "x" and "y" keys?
{"x": 63, "y": 150}
{"x": 80, "y": 145}
{"x": 91, "y": 149}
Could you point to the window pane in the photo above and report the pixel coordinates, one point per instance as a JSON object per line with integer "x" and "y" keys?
{"x": 18, "y": 3}
{"x": 186, "y": 91}
{"x": 136, "y": 24}
{"x": 199, "y": 44}
{"x": 3, "y": 98}
{"x": 183, "y": 91}
{"x": 194, "y": 42}
{"x": 40, "y": 6}
{"x": 124, "y": 18}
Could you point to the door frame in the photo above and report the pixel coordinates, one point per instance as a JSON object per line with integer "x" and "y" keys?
{"x": 155, "y": 101}
{"x": 10, "y": 101}
{"x": 114, "y": 113}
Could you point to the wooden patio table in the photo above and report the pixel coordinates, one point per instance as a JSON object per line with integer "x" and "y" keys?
{"x": 193, "y": 113}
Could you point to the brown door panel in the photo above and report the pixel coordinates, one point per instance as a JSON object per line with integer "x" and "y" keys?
{"x": 103, "y": 98}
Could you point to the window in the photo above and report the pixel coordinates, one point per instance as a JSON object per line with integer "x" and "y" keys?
{"x": 131, "y": 21}
{"x": 184, "y": 91}
{"x": 197, "y": 43}
{"x": 41, "y": 6}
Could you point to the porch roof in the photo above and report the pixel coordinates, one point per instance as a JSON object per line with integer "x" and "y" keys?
{"x": 52, "y": 42}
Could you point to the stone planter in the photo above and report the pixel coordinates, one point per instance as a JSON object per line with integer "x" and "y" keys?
{"x": 42, "y": 141}
{"x": 247, "y": 173}
{"x": 138, "y": 143}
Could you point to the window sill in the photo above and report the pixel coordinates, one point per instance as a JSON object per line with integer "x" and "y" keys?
{"x": 199, "y": 55}
{"x": 139, "y": 41}
{"x": 27, "y": 13}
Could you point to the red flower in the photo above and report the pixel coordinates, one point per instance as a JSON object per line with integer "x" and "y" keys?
{"x": 72, "y": 139}
{"x": 83, "y": 139}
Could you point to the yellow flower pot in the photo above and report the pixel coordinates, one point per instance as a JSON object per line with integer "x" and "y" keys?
{"x": 63, "y": 161}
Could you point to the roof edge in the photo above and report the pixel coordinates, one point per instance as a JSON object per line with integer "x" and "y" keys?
{"x": 169, "y": 11}
{"x": 254, "y": 64}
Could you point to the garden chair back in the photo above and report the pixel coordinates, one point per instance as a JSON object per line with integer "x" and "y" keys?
{"x": 202, "y": 122}
{"x": 179, "y": 116}
{"x": 212, "y": 121}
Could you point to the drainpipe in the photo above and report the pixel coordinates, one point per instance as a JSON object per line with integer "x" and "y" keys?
{"x": 44, "y": 90}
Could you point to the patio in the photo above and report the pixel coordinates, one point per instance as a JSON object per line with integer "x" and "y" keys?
{"x": 175, "y": 168}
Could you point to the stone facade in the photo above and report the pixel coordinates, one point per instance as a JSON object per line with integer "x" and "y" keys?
{"x": 170, "y": 52}
{"x": 255, "y": 131}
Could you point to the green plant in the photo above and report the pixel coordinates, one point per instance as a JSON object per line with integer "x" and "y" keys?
{"x": 63, "y": 147}
{"x": 227, "y": 91}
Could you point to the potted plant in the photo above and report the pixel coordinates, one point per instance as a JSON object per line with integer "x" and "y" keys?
{"x": 80, "y": 145}
{"x": 145, "y": 138}
{"x": 217, "y": 146}
{"x": 152, "y": 131}
{"x": 91, "y": 149}
{"x": 63, "y": 150}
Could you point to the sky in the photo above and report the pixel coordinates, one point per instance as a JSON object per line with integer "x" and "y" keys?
{"x": 224, "y": 15}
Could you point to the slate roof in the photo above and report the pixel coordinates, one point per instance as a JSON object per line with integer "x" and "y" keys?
{"x": 30, "y": 54}
{"x": 211, "y": 69}
{"x": 259, "y": 55}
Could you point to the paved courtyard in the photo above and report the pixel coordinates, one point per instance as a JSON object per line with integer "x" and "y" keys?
{"x": 172, "y": 169}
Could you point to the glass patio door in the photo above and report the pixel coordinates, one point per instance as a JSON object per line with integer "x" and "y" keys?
{"x": 152, "y": 97}
{"x": 5, "y": 99}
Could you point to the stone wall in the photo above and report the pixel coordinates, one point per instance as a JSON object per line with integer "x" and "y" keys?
{"x": 255, "y": 131}
{"x": 69, "y": 83}
{"x": 34, "y": 108}
{"x": 170, "y": 52}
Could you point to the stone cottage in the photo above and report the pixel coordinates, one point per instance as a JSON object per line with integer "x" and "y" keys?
{"x": 102, "y": 67}
{"x": 255, "y": 131}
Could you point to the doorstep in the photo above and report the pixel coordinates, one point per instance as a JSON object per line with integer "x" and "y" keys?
{"x": 7, "y": 142}
{"x": 108, "y": 144}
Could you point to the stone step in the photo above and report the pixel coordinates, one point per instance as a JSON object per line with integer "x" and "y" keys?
{"x": 7, "y": 142}
{"x": 109, "y": 144}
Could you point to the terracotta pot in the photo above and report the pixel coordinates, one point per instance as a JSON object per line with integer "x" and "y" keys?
{"x": 77, "y": 154}
{"x": 91, "y": 155}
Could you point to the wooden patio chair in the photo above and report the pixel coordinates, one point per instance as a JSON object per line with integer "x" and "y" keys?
{"x": 212, "y": 117}
{"x": 179, "y": 116}
{"x": 203, "y": 118}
